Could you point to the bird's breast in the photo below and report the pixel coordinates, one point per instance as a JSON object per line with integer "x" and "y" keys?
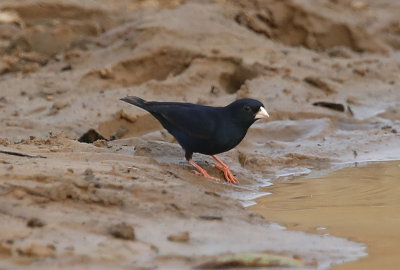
{"x": 229, "y": 137}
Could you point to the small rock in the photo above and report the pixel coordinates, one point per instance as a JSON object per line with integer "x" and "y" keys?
{"x": 66, "y": 67}
{"x": 100, "y": 143}
{"x": 318, "y": 83}
{"x": 360, "y": 71}
{"x": 106, "y": 74}
{"x": 122, "y": 231}
{"x": 330, "y": 105}
{"x": 88, "y": 171}
{"x": 215, "y": 90}
{"x": 180, "y": 237}
{"x": 4, "y": 142}
{"x": 90, "y": 136}
{"x": 89, "y": 176}
{"x": 35, "y": 223}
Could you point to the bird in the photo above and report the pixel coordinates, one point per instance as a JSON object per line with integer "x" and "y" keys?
{"x": 205, "y": 129}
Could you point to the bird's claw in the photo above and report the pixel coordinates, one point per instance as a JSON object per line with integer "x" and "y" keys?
{"x": 230, "y": 178}
{"x": 205, "y": 174}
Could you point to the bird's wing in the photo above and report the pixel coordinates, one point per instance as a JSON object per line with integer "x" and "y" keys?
{"x": 193, "y": 120}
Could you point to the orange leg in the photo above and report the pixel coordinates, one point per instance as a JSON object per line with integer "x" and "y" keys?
{"x": 227, "y": 173}
{"x": 201, "y": 171}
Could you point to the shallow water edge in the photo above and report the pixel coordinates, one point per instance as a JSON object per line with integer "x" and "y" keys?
{"x": 358, "y": 203}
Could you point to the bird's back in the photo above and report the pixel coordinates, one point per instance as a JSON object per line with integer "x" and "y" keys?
{"x": 197, "y": 128}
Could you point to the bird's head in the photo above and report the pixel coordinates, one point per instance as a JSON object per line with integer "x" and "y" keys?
{"x": 248, "y": 110}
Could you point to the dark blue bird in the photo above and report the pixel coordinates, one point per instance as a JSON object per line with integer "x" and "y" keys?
{"x": 205, "y": 129}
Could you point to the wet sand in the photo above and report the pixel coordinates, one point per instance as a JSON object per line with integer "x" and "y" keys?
{"x": 359, "y": 203}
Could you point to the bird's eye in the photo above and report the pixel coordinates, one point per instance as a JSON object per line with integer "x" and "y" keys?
{"x": 247, "y": 108}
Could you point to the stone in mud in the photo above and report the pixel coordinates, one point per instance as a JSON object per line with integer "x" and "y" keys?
{"x": 100, "y": 143}
{"x": 106, "y": 74}
{"x": 318, "y": 83}
{"x": 4, "y": 142}
{"x": 330, "y": 105}
{"x": 179, "y": 237}
{"x": 35, "y": 223}
{"x": 122, "y": 231}
{"x": 89, "y": 175}
{"x": 90, "y": 136}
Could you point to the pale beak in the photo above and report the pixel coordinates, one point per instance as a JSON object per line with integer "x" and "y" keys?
{"x": 262, "y": 113}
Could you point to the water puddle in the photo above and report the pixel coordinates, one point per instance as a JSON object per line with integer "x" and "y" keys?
{"x": 359, "y": 203}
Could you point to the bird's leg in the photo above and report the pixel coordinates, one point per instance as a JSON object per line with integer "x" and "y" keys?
{"x": 227, "y": 173}
{"x": 201, "y": 171}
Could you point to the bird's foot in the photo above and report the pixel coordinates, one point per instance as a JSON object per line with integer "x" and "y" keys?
{"x": 230, "y": 178}
{"x": 206, "y": 175}
{"x": 201, "y": 171}
{"x": 228, "y": 174}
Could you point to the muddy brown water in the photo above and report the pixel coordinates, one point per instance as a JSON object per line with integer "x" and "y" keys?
{"x": 359, "y": 203}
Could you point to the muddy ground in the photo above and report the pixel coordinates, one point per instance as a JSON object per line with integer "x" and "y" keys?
{"x": 114, "y": 203}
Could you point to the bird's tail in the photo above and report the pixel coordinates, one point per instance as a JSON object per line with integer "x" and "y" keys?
{"x": 135, "y": 101}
